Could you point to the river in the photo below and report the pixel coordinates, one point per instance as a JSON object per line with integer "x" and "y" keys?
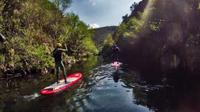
{"x": 103, "y": 89}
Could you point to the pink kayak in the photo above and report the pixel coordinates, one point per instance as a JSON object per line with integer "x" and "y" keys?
{"x": 61, "y": 86}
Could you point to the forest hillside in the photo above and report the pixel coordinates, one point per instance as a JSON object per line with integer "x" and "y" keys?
{"x": 33, "y": 27}
{"x": 162, "y": 37}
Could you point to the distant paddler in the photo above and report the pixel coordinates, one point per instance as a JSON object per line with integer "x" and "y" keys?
{"x": 115, "y": 52}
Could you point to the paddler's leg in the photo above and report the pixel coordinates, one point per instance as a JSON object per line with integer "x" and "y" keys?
{"x": 64, "y": 71}
{"x": 57, "y": 72}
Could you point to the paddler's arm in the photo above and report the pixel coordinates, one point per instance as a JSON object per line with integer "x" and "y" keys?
{"x": 63, "y": 50}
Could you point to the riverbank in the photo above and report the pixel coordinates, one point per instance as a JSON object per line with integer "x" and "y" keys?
{"x": 10, "y": 73}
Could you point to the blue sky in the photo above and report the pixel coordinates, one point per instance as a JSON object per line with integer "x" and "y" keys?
{"x": 99, "y": 13}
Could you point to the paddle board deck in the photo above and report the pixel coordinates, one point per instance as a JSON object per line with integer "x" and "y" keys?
{"x": 116, "y": 64}
{"x": 61, "y": 86}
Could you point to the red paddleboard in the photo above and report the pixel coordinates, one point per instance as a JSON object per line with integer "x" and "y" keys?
{"x": 61, "y": 86}
{"x": 116, "y": 64}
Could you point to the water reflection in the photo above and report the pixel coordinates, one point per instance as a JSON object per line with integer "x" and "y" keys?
{"x": 31, "y": 97}
{"x": 102, "y": 89}
{"x": 107, "y": 93}
{"x": 116, "y": 77}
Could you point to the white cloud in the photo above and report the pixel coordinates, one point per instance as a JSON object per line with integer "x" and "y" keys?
{"x": 94, "y": 25}
{"x": 92, "y": 2}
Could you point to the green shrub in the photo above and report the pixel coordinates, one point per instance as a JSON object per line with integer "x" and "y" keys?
{"x": 90, "y": 46}
{"x": 35, "y": 27}
{"x": 2, "y": 58}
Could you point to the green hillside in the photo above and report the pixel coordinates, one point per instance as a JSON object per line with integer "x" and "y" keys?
{"x": 33, "y": 27}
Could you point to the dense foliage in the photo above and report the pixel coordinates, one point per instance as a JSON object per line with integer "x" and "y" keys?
{"x": 102, "y": 36}
{"x": 162, "y": 37}
{"x": 33, "y": 27}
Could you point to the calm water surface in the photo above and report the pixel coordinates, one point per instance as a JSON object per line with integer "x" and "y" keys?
{"x": 103, "y": 89}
